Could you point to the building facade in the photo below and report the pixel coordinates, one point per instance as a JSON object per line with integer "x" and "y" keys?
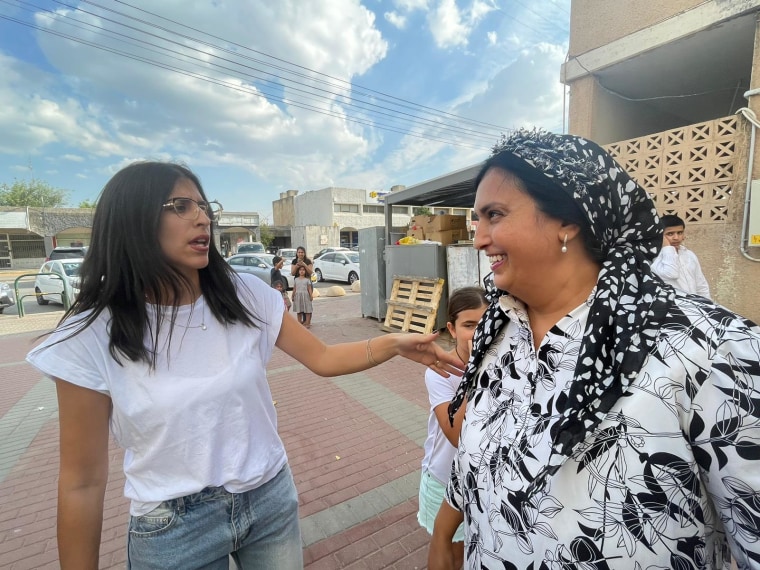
{"x": 670, "y": 88}
{"x": 333, "y": 216}
{"x": 28, "y": 235}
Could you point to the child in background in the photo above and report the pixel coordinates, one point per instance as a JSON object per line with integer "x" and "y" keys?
{"x": 465, "y": 307}
{"x": 278, "y": 285}
{"x": 302, "y": 297}
{"x": 675, "y": 264}
{"x": 275, "y": 274}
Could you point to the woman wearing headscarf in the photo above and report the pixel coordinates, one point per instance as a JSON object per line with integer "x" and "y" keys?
{"x": 611, "y": 421}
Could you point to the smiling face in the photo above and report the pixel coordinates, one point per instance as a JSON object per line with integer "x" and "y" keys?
{"x": 185, "y": 243}
{"x": 522, "y": 244}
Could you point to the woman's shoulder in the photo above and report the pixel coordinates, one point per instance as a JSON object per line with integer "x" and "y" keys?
{"x": 698, "y": 325}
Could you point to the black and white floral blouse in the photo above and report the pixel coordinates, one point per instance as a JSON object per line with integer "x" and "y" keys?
{"x": 669, "y": 479}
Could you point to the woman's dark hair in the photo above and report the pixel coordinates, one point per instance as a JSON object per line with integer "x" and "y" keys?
{"x": 464, "y": 299}
{"x": 125, "y": 264}
{"x": 550, "y": 199}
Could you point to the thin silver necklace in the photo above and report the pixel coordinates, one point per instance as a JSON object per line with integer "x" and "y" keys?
{"x": 201, "y": 326}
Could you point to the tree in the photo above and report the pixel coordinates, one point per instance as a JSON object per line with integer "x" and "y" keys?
{"x": 35, "y": 193}
{"x": 267, "y": 237}
{"x": 86, "y": 204}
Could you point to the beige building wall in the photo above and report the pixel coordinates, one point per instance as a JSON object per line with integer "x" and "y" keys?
{"x": 283, "y": 210}
{"x": 604, "y": 118}
{"x": 717, "y": 187}
{"x": 594, "y": 23}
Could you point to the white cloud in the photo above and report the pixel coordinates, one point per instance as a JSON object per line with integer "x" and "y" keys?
{"x": 411, "y": 5}
{"x": 452, "y": 26}
{"x": 447, "y": 26}
{"x": 135, "y": 109}
{"x": 493, "y": 38}
{"x": 396, "y": 19}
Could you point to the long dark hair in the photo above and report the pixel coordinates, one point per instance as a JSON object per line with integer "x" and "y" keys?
{"x": 125, "y": 264}
{"x": 550, "y": 200}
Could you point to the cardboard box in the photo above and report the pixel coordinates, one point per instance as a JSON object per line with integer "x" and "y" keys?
{"x": 440, "y": 222}
{"x": 447, "y": 237}
{"x": 420, "y": 221}
{"x": 446, "y": 222}
{"x": 418, "y": 233}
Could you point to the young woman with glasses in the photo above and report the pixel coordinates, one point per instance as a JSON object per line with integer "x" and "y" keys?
{"x": 169, "y": 347}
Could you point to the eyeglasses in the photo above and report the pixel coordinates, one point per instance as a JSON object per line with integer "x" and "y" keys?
{"x": 189, "y": 209}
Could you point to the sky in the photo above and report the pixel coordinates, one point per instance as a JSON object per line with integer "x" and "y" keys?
{"x": 259, "y": 96}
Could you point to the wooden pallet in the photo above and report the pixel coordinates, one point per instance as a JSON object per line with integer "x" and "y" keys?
{"x": 413, "y": 304}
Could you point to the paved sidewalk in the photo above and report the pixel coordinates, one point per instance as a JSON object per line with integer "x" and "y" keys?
{"x": 354, "y": 443}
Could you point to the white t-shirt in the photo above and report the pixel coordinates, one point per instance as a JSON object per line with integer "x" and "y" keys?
{"x": 439, "y": 453}
{"x": 204, "y": 417}
{"x": 681, "y": 269}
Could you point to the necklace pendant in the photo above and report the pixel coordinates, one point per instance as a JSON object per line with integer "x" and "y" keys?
{"x": 203, "y": 326}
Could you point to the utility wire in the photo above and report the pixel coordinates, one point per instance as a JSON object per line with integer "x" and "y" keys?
{"x": 239, "y": 88}
{"x": 436, "y": 122}
{"x": 461, "y": 131}
{"x": 312, "y": 71}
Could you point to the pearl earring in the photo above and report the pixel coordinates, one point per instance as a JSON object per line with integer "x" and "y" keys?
{"x": 563, "y": 249}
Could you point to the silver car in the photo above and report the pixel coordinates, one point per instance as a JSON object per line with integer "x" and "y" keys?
{"x": 258, "y": 264}
{"x": 66, "y": 277}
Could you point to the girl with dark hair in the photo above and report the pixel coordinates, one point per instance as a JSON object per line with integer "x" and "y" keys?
{"x": 612, "y": 421}
{"x": 169, "y": 347}
{"x": 465, "y": 307}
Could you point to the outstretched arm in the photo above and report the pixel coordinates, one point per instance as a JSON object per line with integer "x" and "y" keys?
{"x": 83, "y": 418}
{"x": 348, "y": 357}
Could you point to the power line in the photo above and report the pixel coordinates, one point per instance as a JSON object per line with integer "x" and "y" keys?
{"x": 313, "y": 71}
{"x": 406, "y": 132}
{"x": 357, "y": 104}
{"x": 485, "y": 137}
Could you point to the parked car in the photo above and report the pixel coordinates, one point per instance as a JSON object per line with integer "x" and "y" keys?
{"x": 258, "y": 264}
{"x": 338, "y": 266}
{"x": 7, "y": 299}
{"x": 325, "y": 250}
{"x": 50, "y": 288}
{"x": 287, "y": 253}
{"x": 68, "y": 252}
{"x": 250, "y": 247}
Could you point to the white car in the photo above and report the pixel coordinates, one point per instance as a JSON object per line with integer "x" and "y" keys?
{"x": 337, "y": 266}
{"x": 325, "y": 250}
{"x": 50, "y": 288}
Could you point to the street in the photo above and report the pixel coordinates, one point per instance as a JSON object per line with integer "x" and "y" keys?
{"x": 31, "y": 307}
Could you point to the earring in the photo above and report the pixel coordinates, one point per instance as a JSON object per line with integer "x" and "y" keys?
{"x": 563, "y": 249}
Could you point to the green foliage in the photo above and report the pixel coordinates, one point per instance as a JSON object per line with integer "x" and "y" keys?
{"x": 35, "y": 193}
{"x": 423, "y": 211}
{"x": 267, "y": 237}
{"x": 86, "y": 204}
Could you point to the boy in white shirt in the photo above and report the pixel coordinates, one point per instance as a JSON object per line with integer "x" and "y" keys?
{"x": 677, "y": 265}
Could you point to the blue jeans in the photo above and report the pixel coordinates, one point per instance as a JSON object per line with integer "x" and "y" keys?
{"x": 259, "y": 529}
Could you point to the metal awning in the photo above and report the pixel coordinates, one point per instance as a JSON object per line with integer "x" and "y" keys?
{"x": 454, "y": 190}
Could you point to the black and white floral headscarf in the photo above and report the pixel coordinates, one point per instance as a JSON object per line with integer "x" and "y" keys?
{"x": 629, "y": 303}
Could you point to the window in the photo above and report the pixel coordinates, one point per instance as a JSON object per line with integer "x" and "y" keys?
{"x": 373, "y": 209}
{"x": 400, "y": 210}
{"x": 459, "y": 211}
{"x": 346, "y": 208}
